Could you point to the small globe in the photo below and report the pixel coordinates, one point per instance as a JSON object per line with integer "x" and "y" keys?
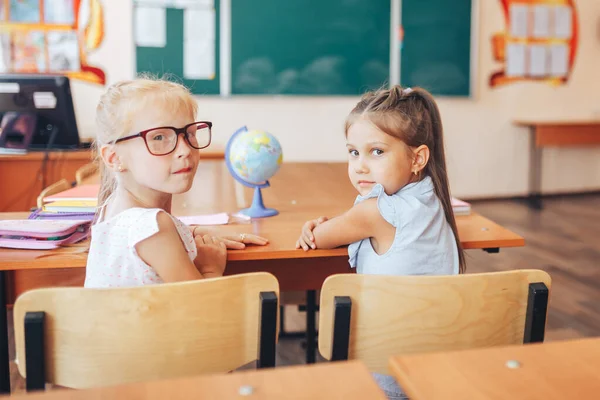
{"x": 254, "y": 156}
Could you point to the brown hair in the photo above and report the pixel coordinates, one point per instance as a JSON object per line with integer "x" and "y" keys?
{"x": 412, "y": 116}
{"x": 117, "y": 111}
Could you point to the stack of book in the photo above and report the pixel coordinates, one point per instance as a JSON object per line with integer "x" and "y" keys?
{"x": 41, "y": 235}
{"x": 79, "y": 202}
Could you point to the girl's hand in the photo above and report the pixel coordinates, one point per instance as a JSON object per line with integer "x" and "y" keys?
{"x": 233, "y": 242}
{"x": 212, "y": 256}
{"x": 307, "y": 239}
{"x": 239, "y": 241}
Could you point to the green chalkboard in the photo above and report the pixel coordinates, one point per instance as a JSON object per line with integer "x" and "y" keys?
{"x": 436, "y": 50}
{"x": 309, "y": 47}
{"x": 169, "y": 59}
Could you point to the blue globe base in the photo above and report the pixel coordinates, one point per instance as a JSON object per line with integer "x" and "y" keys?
{"x": 258, "y": 209}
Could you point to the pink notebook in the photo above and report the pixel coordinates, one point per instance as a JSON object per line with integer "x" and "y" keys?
{"x": 79, "y": 192}
{"x": 41, "y": 234}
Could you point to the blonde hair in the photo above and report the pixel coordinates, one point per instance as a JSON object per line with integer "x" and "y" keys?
{"x": 119, "y": 107}
{"x": 412, "y": 116}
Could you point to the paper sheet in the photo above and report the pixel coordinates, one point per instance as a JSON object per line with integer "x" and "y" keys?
{"x": 193, "y": 3}
{"x": 150, "y": 25}
{"x": 541, "y": 21}
{"x": 212, "y": 219}
{"x": 63, "y": 51}
{"x": 519, "y": 20}
{"x": 562, "y": 22}
{"x": 160, "y": 3}
{"x": 559, "y": 60}
{"x": 4, "y": 53}
{"x": 538, "y": 60}
{"x": 199, "y": 43}
{"x": 515, "y": 60}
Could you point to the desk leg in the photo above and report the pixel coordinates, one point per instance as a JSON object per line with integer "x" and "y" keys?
{"x": 4, "y": 362}
{"x": 535, "y": 173}
{"x": 311, "y": 334}
{"x": 492, "y": 250}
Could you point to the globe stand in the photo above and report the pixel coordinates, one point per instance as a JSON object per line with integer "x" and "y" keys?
{"x": 258, "y": 209}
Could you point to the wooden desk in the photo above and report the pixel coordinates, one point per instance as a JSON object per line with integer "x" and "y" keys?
{"x": 555, "y": 370}
{"x": 339, "y": 380}
{"x": 23, "y": 177}
{"x": 554, "y": 134}
{"x": 299, "y": 191}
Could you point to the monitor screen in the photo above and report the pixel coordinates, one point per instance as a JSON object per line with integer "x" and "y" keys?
{"x": 49, "y": 98}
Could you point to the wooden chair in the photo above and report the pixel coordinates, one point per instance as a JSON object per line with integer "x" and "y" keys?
{"x": 85, "y": 172}
{"x": 84, "y": 338}
{"x": 56, "y": 187}
{"x": 374, "y": 317}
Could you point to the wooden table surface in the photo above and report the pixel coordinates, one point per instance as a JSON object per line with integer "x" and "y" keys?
{"x": 339, "y": 380}
{"x": 300, "y": 191}
{"x": 555, "y": 370}
{"x": 563, "y": 133}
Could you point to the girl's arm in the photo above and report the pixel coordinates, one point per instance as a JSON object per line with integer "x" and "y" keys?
{"x": 165, "y": 252}
{"x": 361, "y": 221}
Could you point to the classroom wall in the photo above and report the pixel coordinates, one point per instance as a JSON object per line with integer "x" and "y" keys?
{"x": 487, "y": 155}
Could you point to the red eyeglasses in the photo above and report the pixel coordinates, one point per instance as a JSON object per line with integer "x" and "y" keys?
{"x": 163, "y": 140}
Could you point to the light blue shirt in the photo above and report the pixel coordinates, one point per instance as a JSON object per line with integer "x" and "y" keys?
{"x": 424, "y": 242}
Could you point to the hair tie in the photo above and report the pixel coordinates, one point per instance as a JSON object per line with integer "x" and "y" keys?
{"x": 407, "y": 91}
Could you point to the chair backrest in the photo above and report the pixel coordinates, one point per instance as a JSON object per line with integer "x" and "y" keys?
{"x": 100, "y": 337}
{"x": 396, "y": 315}
{"x": 85, "y": 172}
{"x": 56, "y": 187}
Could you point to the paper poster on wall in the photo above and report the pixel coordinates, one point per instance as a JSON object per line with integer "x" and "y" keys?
{"x": 563, "y": 17}
{"x": 515, "y": 60}
{"x": 518, "y": 20}
{"x": 193, "y": 3}
{"x": 559, "y": 60}
{"x": 541, "y": 21}
{"x": 538, "y": 60}
{"x": 199, "y": 44}
{"x": 150, "y": 26}
{"x": 539, "y": 42}
{"x": 51, "y": 36}
{"x": 198, "y": 30}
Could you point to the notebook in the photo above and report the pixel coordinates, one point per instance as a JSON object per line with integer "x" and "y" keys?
{"x": 77, "y": 193}
{"x": 71, "y": 206}
{"x": 80, "y": 215}
{"x": 41, "y": 234}
{"x": 460, "y": 207}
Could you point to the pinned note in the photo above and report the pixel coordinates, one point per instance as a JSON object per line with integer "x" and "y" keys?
{"x": 541, "y": 21}
{"x": 538, "y": 60}
{"x": 515, "y": 60}
{"x": 559, "y": 60}
{"x": 519, "y": 17}
{"x": 563, "y": 22}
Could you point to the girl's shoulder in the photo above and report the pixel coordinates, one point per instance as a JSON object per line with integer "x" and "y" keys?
{"x": 408, "y": 203}
{"x": 137, "y": 224}
{"x": 130, "y": 216}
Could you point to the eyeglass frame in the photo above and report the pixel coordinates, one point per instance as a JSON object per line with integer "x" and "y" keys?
{"x": 178, "y": 131}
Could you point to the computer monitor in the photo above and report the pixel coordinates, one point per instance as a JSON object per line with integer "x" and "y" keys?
{"x": 48, "y": 97}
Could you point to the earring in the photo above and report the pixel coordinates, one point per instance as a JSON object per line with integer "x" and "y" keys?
{"x": 120, "y": 168}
